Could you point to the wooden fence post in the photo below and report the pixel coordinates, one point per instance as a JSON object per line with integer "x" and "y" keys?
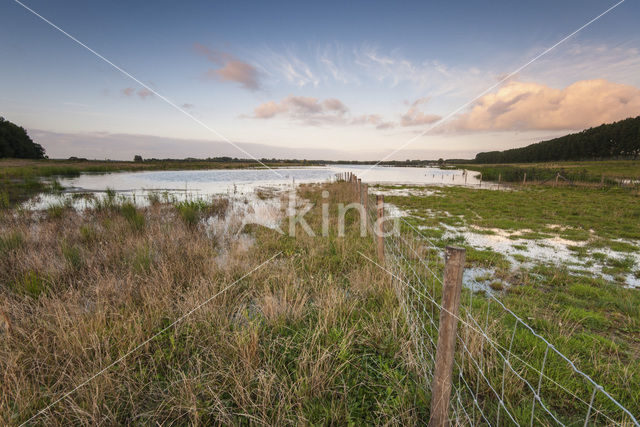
{"x": 359, "y": 189}
{"x": 524, "y": 180}
{"x": 380, "y": 228}
{"x": 557, "y": 177}
{"x": 445, "y": 350}
{"x": 364, "y": 200}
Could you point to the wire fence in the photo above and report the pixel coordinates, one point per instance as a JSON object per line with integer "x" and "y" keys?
{"x": 505, "y": 373}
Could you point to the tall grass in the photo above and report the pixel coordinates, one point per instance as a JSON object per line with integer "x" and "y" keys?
{"x": 313, "y": 337}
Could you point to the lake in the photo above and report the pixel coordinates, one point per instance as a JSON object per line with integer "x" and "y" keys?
{"x": 197, "y": 183}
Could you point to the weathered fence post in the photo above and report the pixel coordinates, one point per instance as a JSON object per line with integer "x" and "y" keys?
{"x": 445, "y": 350}
{"x": 499, "y": 180}
{"x": 380, "y": 228}
{"x": 524, "y": 180}
{"x": 364, "y": 200}
{"x": 359, "y": 189}
{"x": 557, "y": 177}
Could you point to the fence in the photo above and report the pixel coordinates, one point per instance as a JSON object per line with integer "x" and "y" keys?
{"x": 503, "y": 371}
{"x": 541, "y": 176}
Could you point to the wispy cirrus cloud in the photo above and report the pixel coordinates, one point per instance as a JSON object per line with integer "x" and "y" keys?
{"x": 230, "y": 68}
{"x": 533, "y": 106}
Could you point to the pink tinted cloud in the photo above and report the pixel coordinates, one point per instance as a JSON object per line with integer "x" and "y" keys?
{"x": 230, "y": 68}
{"x": 415, "y": 117}
{"x": 304, "y": 108}
{"x": 313, "y": 111}
{"x": 532, "y": 106}
{"x": 143, "y": 93}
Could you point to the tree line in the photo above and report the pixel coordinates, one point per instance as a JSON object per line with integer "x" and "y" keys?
{"x": 619, "y": 140}
{"x": 16, "y": 143}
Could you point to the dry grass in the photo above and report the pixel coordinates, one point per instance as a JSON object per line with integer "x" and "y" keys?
{"x": 315, "y": 336}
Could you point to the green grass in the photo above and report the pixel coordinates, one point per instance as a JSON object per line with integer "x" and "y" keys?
{"x": 193, "y": 210}
{"x": 134, "y": 217}
{"x": 72, "y": 255}
{"x": 594, "y": 322}
{"x": 10, "y": 241}
{"x": 611, "y": 213}
{"x": 584, "y": 172}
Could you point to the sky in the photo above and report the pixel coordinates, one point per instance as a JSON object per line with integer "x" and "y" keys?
{"x": 360, "y": 80}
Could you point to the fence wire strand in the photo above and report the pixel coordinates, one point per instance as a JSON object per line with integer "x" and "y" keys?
{"x": 505, "y": 373}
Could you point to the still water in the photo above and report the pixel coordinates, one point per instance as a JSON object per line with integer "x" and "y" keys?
{"x": 243, "y": 181}
{"x": 218, "y": 181}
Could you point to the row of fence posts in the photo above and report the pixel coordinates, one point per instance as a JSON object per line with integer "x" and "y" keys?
{"x": 454, "y": 259}
{"x": 621, "y": 182}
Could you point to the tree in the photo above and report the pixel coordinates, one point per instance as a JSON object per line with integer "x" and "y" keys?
{"x": 15, "y": 142}
{"x": 609, "y": 141}
{"x": 137, "y": 158}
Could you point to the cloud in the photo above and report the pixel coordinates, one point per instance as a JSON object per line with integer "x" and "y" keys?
{"x": 230, "y": 68}
{"x": 313, "y": 111}
{"x": 415, "y": 117}
{"x": 306, "y": 109}
{"x": 532, "y": 106}
{"x": 372, "y": 119}
{"x": 143, "y": 93}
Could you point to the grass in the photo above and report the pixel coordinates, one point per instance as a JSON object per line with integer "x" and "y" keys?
{"x": 581, "y": 172}
{"x": 314, "y": 337}
{"x": 134, "y": 217}
{"x": 594, "y": 322}
{"x": 193, "y": 210}
{"x": 611, "y": 213}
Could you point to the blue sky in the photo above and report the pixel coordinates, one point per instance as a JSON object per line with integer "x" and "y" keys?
{"x": 313, "y": 79}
